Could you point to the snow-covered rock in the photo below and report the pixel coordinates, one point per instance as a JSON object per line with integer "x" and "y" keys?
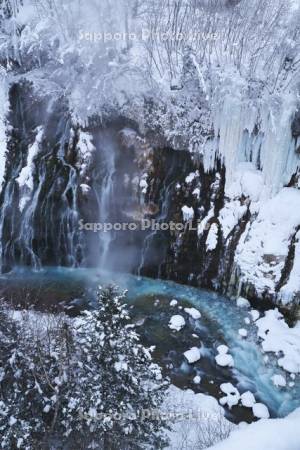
{"x": 192, "y": 355}
{"x": 232, "y": 395}
{"x": 177, "y": 322}
{"x": 278, "y": 337}
{"x": 193, "y": 312}
{"x": 248, "y": 399}
{"x": 242, "y": 302}
{"x": 173, "y": 303}
{"x": 224, "y": 360}
{"x": 278, "y": 380}
{"x": 197, "y": 379}
{"x": 260, "y": 411}
{"x": 222, "y": 349}
{"x": 243, "y": 333}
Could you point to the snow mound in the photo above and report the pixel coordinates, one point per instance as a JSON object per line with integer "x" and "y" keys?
{"x": 247, "y": 399}
{"x": 177, "y": 322}
{"x": 242, "y": 302}
{"x": 173, "y": 303}
{"x": 192, "y": 355}
{"x": 224, "y": 360}
{"x": 273, "y": 434}
{"x": 260, "y": 411}
{"x": 232, "y": 395}
{"x": 193, "y": 312}
{"x": 222, "y": 349}
{"x": 243, "y": 333}
{"x": 278, "y": 380}
{"x": 278, "y": 337}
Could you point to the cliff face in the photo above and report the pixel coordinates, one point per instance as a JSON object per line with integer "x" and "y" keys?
{"x": 232, "y": 179}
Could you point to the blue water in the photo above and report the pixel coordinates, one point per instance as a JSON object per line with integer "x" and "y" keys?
{"x": 226, "y": 319}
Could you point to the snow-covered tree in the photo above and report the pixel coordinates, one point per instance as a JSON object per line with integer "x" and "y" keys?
{"x": 131, "y": 385}
{"x": 89, "y": 385}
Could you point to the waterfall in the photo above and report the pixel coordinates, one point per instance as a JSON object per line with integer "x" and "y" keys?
{"x": 106, "y": 196}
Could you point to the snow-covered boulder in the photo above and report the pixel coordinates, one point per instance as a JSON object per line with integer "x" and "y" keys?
{"x": 232, "y": 396}
{"x": 177, "y": 322}
{"x": 193, "y": 312}
{"x": 260, "y": 411}
{"x": 278, "y": 380}
{"x": 192, "y": 355}
{"x": 248, "y": 399}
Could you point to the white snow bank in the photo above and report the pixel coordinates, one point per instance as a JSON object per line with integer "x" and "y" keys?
{"x": 195, "y": 415}
{"x": 273, "y": 434}
{"x": 264, "y": 246}
{"x": 247, "y": 181}
{"x": 230, "y": 215}
{"x": 278, "y": 337}
{"x": 177, "y": 322}
{"x": 192, "y": 355}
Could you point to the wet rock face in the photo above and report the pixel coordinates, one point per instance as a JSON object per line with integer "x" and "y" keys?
{"x": 39, "y": 195}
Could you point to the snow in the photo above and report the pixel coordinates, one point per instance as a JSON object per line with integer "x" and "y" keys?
{"x": 273, "y": 434}
{"x": 263, "y": 248}
{"x": 232, "y": 396}
{"x": 177, "y": 322}
{"x": 222, "y": 349}
{"x": 193, "y": 414}
{"x": 212, "y": 237}
{"x": 173, "y": 303}
{"x": 25, "y": 178}
{"x": 196, "y": 192}
{"x": 260, "y": 411}
{"x": 243, "y": 333}
{"x": 192, "y": 355}
{"x": 224, "y": 360}
{"x": 190, "y": 178}
{"x": 187, "y": 213}
{"x": 230, "y": 215}
{"x": 242, "y": 302}
{"x": 277, "y": 337}
{"x": 278, "y": 380}
{"x": 193, "y": 312}
{"x": 197, "y": 379}
{"x": 254, "y": 314}
{"x": 248, "y": 399}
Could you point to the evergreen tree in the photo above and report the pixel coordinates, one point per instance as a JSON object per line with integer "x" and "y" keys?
{"x": 89, "y": 386}
{"x": 131, "y": 385}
